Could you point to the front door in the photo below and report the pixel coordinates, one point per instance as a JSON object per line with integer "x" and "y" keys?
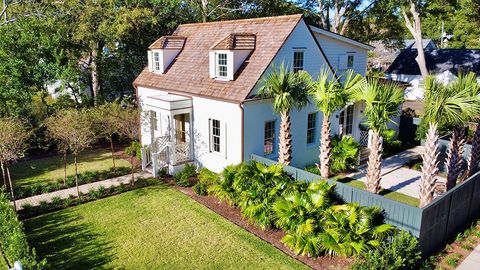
{"x": 180, "y": 133}
{"x": 346, "y": 121}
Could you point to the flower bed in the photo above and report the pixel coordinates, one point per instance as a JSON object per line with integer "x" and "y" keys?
{"x": 83, "y": 178}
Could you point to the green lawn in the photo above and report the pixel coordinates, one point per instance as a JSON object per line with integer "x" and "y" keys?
{"x": 150, "y": 228}
{"x": 49, "y": 169}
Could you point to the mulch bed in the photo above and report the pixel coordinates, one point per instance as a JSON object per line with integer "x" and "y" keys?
{"x": 272, "y": 236}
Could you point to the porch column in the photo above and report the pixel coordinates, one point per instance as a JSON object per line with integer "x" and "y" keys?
{"x": 144, "y": 158}
{"x": 173, "y": 157}
{"x": 155, "y": 164}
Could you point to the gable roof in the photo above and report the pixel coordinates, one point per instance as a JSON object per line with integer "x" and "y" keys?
{"x": 237, "y": 41}
{"x": 189, "y": 72}
{"x": 438, "y": 61}
{"x": 169, "y": 42}
{"x": 411, "y": 43}
{"x": 341, "y": 38}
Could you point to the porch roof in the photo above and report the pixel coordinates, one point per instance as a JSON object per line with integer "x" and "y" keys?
{"x": 169, "y": 102}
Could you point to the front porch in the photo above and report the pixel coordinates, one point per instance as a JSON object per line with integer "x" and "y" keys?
{"x": 169, "y": 124}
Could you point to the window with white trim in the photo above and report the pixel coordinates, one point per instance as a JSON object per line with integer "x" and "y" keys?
{"x": 215, "y": 136}
{"x": 222, "y": 65}
{"x": 153, "y": 120}
{"x": 350, "y": 60}
{"x": 156, "y": 61}
{"x": 269, "y": 138}
{"x": 298, "y": 60}
{"x": 311, "y": 127}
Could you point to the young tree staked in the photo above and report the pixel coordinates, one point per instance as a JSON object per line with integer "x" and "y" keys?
{"x": 130, "y": 128}
{"x": 13, "y": 136}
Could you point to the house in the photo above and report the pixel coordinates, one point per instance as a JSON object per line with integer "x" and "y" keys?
{"x": 443, "y": 63}
{"x": 383, "y": 56}
{"x": 198, "y": 93}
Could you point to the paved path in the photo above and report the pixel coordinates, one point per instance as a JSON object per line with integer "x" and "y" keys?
{"x": 397, "y": 178}
{"x": 65, "y": 193}
{"x": 472, "y": 262}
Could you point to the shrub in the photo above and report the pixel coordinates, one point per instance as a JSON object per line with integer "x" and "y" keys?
{"x": 12, "y": 236}
{"x": 134, "y": 150}
{"x": 182, "y": 178}
{"x": 69, "y": 201}
{"x": 200, "y": 188}
{"x": 162, "y": 173}
{"x": 46, "y": 188}
{"x": 43, "y": 205}
{"x": 36, "y": 188}
{"x": 402, "y": 253}
{"x": 344, "y": 154}
{"x": 56, "y": 201}
{"x": 70, "y": 181}
{"x": 27, "y": 207}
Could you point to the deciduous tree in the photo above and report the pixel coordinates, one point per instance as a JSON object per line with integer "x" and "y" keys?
{"x": 130, "y": 128}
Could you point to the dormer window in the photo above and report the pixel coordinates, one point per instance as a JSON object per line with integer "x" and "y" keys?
{"x": 163, "y": 51}
{"x": 156, "y": 61}
{"x": 222, "y": 65}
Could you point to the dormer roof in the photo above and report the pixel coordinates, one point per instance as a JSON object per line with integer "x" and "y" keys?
{"x": 237, "y": 41}
{"x": 169, "y": 42}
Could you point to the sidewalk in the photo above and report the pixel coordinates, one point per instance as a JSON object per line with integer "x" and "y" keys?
{"x": 472, "y": 262}
{"x": 65, "y": 193}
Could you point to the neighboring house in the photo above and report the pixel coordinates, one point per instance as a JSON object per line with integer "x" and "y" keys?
{"x": 443, "y": 63}
{"x": 198, "y": 93}
{"x": 382, "y": 56}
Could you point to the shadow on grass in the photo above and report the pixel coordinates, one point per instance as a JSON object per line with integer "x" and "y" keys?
{"x": 67, "y": 243}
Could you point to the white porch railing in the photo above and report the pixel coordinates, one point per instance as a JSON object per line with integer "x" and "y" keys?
{"x": 364, "y": 138}
{"x": 182, "y": 152}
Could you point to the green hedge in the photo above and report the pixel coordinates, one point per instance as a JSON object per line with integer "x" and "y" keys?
{"x": 13, "y": 241}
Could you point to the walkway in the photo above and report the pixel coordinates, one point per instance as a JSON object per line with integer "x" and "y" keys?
{"x": 472, "y": 262}
{"x": 397, "y": 178}
{"x": 65, "y": 193}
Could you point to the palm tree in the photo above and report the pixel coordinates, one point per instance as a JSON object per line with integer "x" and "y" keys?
{"x": 331, "y": 94}
{"x": 382, "y": 100}
{"x": 288, "y": 91}
{"x": 443, "y": 105}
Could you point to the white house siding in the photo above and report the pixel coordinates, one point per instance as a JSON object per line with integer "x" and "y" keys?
{"x": 334, "y": 49}
{"x": 142, "y": 94}
{"x": 415, "y": 91}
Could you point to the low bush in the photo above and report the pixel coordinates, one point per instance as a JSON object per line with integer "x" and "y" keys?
{"x": 206, "y": 178}
{"x": 402, "y": 253}
{"x": 56, "y": 201}
{"x": 14, "y": 245}
{"x": 135, "y": 149}
{"x": 344, "y": 155}
{"x": 200, "y": 188}
{"x": 182, "y": 178}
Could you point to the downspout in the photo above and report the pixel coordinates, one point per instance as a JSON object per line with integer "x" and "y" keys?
{"x": 242, "y": 130}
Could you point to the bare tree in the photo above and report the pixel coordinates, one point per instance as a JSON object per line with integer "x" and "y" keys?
{"x": 414, "y": 25}
{"x": 12, "y": 147}
{"x": 130, "y": 128}
{"x": 77, "y": 133}
{"x": 210, "y": 7}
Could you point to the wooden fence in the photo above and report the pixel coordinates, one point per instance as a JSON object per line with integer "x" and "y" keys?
{"x": 433, "y": 225}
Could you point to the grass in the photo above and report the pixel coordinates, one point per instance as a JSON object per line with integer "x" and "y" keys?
{"x": 49, "y": 169}
{"x": 397, "y": 196}
{"x": 151, "y": 228}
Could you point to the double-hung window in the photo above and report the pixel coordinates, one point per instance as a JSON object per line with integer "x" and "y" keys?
{"x": 269, "y": 138}
{"x": 311, "y": 127}
{"x": 298, "y": 60}
{"x": 215, "y": 136}
{"x": 222, "y": 65}
{"x": 156, "y": 61}
{"x": 350, "y": 61}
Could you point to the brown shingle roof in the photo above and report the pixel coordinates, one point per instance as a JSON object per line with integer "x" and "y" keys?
{"x": 189, "y": 73}
{"x": 168, "y": 42}
{"x": 237, "y": 41}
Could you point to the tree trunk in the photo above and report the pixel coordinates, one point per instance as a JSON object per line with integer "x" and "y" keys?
{"x": 374, "y": 168}
{"x": 113, "y": 153}
{"x": 285, "y": 144}
{"x": 133, "y": 171}
{"x": 76, "y": 174}
{"x": 415, "y": 29}
{"x": 451, "y": 161}
{"x": 462, "y": 140}
{"x": 11, "y": 189}
{"x": 4, "y": 177}
{"x": 430, "y": 166}
{"x": 65, "y": 169}
{"x": 94, "y": 74}
{"x": 475, "y": 153}
{"x": 325, "y": 148}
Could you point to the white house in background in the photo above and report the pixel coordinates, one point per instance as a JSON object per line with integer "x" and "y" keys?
{"x": 198, "y": 93}
{"x": 443, "y": 63}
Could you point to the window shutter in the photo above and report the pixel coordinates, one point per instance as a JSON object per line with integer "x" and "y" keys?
{"x": 230, "y": 71}
{"x": 150, "y": 60}
{"x": 210, "y": 142}
{"x": 212, "y": 58}
{"x": 223, "y": 136}
{"x": 342, "y": 62}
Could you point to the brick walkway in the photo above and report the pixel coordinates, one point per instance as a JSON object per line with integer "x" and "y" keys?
{"x": 65, "y": 193}
{"x": 472, "y": 262}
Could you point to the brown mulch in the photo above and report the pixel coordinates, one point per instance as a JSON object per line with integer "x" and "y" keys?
{"x": 271, "y": 236}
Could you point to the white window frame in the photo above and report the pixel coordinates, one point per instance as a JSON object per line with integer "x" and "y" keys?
{"x": 215, "y": 135}
{"x": 218, "y": 65}
{"x": 298, "y": 64}
{"x": 156, "y": 61}
{"x": 266, "y": 139}
{"x": 312, "y": 128}
{"x": 154, "y": 120}
{"x": 350, "y": 56}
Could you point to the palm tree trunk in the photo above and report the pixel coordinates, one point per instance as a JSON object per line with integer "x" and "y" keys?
{"x": 374, "y": 168}
{"x": 113, "y": 153}
{"x": 325, "y": 148}
{"x": 475, "y": 154}
{"x": 285, "y": 144}
{"x": 11, "y": 189}
{"x": 430, "y": 166}
{"x": 454, "y": 160}
{"x": 462, "y": 140}
{"x": 76, "y": 174}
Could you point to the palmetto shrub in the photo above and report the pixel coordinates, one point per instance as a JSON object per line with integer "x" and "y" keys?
{"x": 344, "y": 154}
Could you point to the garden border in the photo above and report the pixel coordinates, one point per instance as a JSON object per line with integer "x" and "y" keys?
{"x": 434, "y": 225}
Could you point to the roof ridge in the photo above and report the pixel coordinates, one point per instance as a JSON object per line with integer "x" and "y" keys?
{"x": 299, "y": 15}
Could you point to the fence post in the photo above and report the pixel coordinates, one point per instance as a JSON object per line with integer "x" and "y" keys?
{"x": 144, "y": 159}
{"x": 155, "y": 164}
